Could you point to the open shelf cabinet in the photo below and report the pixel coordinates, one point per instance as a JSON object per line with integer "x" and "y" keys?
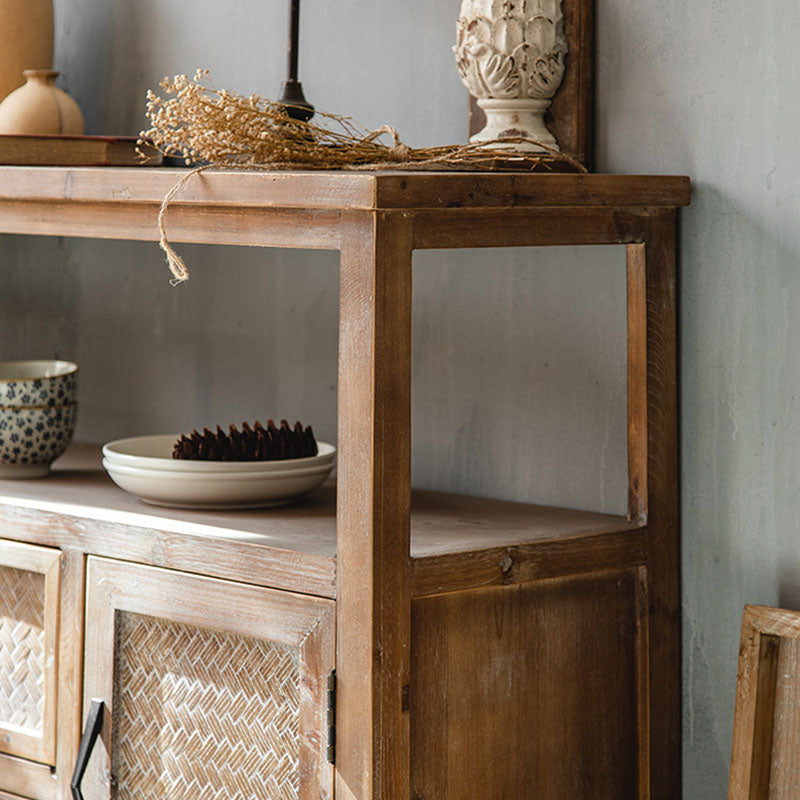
{"x": 481, "y": 647}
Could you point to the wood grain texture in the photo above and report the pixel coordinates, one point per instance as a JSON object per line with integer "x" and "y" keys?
{"x": 374, "y": 499}
{"x": 531, "y": 227}
{"x": 195, "y": 604}
{"x": 766, "y": 724}
{"x": 643, "y": 682}
{"x": 545, "y": 559}
{"x": 637, "y": 382}
{"x": 662, "y": 510}
{"x": 527, "y": 691}
{"x": 781, "y": 740}
{"x": 7, "y": 796}
{"x": 115, "y": 187}
{"x": 206, "y": 224}
{"x": 753, "y": 720}
{"x": 765, "y": 759}
{"x": 222, "y": 188}
{"x": 28, "y": 779}
{"x": 485, "y": 190}
{"x": 572, "y": 110}
{"x": 70, "y": 665}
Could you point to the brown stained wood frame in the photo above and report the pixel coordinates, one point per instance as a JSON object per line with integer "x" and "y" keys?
{"x": 27, "y": 194}
{"x": 570, "y": 117}
{"x": 531, "y": 691}
{"x": 765, "y": 761}
{"x": 663, "y": 558}
{"x": 301, "y": 622}
{"x": 25, "y": 558}
{"x": 373, "y": 607}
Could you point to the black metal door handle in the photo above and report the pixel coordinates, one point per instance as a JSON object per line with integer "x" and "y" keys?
{"x": 94, "y": 722}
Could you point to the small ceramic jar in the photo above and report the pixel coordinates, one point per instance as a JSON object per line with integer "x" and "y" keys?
{"x": 40, "y": 107}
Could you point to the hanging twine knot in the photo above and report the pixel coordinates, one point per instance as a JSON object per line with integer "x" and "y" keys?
{"x": 399, "y": 153}
{"x": 176, "y": 264}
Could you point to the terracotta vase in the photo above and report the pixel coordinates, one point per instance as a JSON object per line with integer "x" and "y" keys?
{"x": 26, "y": 40}
{"x": 511, "y": 56}
{"x": 40, "y": 107}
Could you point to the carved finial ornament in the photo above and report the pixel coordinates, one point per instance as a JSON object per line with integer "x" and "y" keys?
{"x": 511, "y": 56}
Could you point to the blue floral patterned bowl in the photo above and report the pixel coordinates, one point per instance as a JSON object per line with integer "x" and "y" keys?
{"x": 37, "y": 383}
{"x": 38, "y": 410}
{"x": 32, "y": 438}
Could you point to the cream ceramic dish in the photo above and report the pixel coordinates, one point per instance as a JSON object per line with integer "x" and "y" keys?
{"x": 143, "y": 466}
{"x": 155, "y": 453}
{"x": 216, "y": 490}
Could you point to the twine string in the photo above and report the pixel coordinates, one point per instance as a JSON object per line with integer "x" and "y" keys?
{"x": 176, "y": 264}
{"x": 399, "y": 153}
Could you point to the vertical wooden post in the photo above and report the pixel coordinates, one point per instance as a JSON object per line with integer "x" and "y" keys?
{"x": 374, "y": 496}
{"x": 662, "y": 508}
{"x": 637, "y": 384}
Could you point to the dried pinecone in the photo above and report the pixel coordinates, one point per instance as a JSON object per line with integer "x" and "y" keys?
{"x": 251, "y": 444}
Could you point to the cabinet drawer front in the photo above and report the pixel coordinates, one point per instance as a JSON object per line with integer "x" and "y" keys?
{"x": 213, "y": 689}
{"x": 29, "y": 588}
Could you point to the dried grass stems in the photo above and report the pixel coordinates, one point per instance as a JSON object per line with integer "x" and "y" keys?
{"x": 202, "y": 123}
{"x": 222, "y": 129}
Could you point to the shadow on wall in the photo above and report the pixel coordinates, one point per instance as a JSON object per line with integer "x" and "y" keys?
{"x": 520, "y": 375}
{"x": 83, "y": 49}
{"x": 740, "y": 456}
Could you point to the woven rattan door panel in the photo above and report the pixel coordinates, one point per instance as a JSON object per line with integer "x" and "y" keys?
{"x": 213, "y": 689}
{"x": 199, "y": 713}
{"x": 29, "y": 588}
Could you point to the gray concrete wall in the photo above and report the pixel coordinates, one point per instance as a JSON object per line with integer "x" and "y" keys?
{"x": 703, "y": 89}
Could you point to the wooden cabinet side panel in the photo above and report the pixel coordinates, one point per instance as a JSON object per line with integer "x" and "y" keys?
{"x": 528, "y": 691}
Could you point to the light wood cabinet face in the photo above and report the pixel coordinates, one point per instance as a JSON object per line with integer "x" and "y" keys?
{"x": 29, "y": 592}
{"x": 213, "y": 689}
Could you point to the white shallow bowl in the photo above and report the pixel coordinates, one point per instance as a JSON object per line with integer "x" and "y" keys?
{"x": 251, "y": 484}
{"x": 155, "y": 453}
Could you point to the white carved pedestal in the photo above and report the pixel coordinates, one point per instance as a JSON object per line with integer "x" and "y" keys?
{"x": 511, "y": 56}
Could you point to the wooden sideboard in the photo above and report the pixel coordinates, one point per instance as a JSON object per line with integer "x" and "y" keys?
{"x": 481, "y": 648}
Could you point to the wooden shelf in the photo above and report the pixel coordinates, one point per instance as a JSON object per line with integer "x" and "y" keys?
{"x": 409, "y": 638}
{"x": 305, "y": 209}
{"x": 456, "y": 541}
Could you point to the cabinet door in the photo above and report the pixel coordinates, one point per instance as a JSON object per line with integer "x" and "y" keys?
{"x": 212, "y": 689}
{"x": 29, "y": 590}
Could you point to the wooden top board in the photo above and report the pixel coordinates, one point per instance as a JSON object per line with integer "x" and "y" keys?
{"x": 341, "y": 190}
